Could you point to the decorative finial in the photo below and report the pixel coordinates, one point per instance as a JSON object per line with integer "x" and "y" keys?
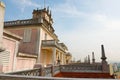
{"x": 103, "y": 53}
{"x": 89, "y": 59}
{"x": 93, "y": 57}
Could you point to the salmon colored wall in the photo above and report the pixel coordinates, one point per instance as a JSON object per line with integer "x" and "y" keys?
{"x": 10, "y": 46}
{"x": 24, "y": 63}
{"x": 25, "y": 47}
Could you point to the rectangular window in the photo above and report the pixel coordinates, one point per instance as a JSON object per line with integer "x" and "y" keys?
{"x": 27, "y": 35}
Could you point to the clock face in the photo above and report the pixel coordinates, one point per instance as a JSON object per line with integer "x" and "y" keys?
{"x": 47, "y": 17}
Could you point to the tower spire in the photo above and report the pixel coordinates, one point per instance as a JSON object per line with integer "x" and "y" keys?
{"x": 103, "y": 53}
{"x": 93, "y": 57}
{"x": 89, "y": 59}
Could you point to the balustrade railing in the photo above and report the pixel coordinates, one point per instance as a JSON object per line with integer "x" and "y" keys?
{"x": 19, "y": 77}
{"x": 22, "y": 22}
{"x": 32, "y": 72}
{"x": 47, "y": 71}
{"x": 56, "y": 70}
{"x": 52, "y": 43}
{"x": 81, "y": 68}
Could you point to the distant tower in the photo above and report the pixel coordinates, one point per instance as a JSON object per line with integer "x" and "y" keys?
{"x": 103, "y": 54}
{"x": 89, "y": 59}
{"x": 93, "y": 58}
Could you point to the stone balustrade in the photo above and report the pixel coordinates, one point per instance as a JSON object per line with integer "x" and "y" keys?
{"x": 53, "y": 70}
{"x": 19, "y": 77}
{"x": 31, "y": 72}
{"x": 46, "y": 43}
{"x": 81, "y": 68}
{"x": 56, "y": 70}
{"x": 21, "y": 22}
{"x": 47, "y": 71}
{"x": 50, "y": 71}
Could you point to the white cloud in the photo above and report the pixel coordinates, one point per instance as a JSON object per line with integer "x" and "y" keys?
{"x": 67, "y": 9}
{"x": 22, "y": 4}
{"x": 102, "y": 30}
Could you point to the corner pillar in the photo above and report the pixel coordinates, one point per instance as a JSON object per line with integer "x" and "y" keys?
{"x": 54, "y": 56}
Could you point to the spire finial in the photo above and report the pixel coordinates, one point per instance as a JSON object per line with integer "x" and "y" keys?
{"x": 103, "y": 53}
{"x": 93, "y": 57}
{"x": 89, "y": 59}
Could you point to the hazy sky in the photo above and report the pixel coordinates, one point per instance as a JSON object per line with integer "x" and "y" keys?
{"x": 83, "y": 25}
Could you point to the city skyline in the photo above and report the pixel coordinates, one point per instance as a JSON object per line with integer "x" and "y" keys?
{"x": 83, "y": 25}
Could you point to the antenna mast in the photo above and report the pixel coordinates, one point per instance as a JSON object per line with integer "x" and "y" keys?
{"x": 44, "y": 3}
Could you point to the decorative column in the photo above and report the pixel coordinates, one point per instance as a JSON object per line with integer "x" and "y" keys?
{"x": 103, "y": 54}
{"x": 105, "y": 66}
{"x": 58, "y": 61}
{"x": 2, "y": 11}
{"x": 54, "y": 56}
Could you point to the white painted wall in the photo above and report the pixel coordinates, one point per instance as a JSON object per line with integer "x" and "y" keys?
{"x": 2, "y": 10}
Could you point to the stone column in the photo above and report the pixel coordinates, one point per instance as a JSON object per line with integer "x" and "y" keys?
{"x": 2, "y": 11}
{"x": 38, "y": 47}
{"x": 62, "y": 58}
{"x": 54, "y": 56}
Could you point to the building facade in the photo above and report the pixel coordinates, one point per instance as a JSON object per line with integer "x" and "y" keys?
{"x": 40, "y": 44}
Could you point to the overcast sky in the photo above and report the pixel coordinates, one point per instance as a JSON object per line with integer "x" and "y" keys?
{"x": 83, "y": 25}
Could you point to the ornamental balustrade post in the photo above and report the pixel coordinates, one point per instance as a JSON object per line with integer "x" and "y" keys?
{"x": 42, "y": 72}
{"x": 52, "y": 69}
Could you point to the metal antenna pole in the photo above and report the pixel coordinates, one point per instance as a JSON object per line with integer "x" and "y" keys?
{"x": 44, "y": 3}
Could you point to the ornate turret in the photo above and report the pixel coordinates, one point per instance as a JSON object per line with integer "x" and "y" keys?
{"x": 44, "y": 14}
{"x": 93, "y": 57}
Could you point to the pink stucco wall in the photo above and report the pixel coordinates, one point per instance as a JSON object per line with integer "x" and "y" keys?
{"x": 25, "y": 63}
{"x": 9, "y": 45}
{"x": 16, "y": 63}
